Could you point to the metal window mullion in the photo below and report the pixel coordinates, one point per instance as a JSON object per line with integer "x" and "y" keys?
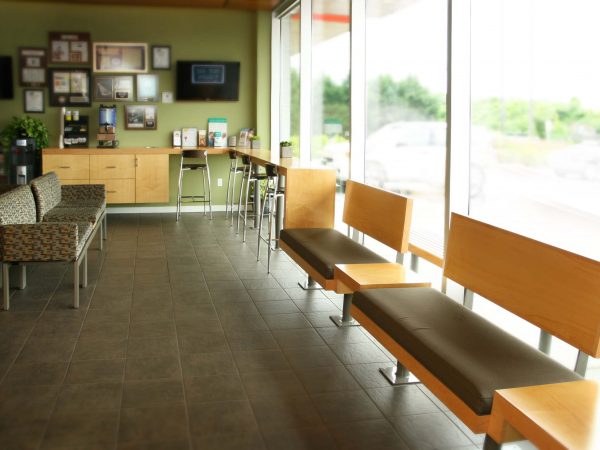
{"x": 276, "y": 76}
{"x": 358, "y": 82}
{"x": 305, "y": 80}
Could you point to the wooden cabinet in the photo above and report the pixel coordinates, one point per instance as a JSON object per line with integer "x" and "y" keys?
{"x": 71, "y": 169}
{"x": 112, "y": 166}
{"x": 117, "y": 172}
{"x": 130, "y": 177}
{"x": 118, "y": 190}
{"x": 152, "y": 179}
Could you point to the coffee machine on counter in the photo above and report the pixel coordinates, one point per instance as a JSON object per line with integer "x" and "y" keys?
{"x": 107, "y": 126}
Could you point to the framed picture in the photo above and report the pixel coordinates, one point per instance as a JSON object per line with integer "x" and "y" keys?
{"x": 140, "y": 117}
{"x": 104, "y": 88}
{"x": 33, "y": 100}
{"x": 69, "y": 48}
{"x": 120, "y": 57}
{"x": 243, "y": 139}
{"x": 69, "y": 87}
{"x": 119, "y": 88}
{"x": 147, "y": 88}
{"x": 124, "y": 88}
{"x": 32, "y": 67}
{"x": 161, "y": 57}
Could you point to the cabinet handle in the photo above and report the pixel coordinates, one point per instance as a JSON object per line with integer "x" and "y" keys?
{"x": 111, "y": 192}
{"x": 136, "y": 162}
{"x": 64, "y": 167}
{"x": 111, "y": 167}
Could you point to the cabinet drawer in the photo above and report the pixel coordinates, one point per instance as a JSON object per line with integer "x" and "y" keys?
{"x": 118, "y": 191}
{"x": 86, "y": 181}
{"x": 110, "y": 167}
{"x": 68, "y": 167}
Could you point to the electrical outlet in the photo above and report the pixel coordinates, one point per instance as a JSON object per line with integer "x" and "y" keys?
{"x": 220, "y": 182}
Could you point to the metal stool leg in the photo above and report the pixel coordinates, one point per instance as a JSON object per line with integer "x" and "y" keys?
{"x": 209, "y": 190}
{"x": 260, "y": 219}
{"x": 228, "y": 187}
{"x": 246, "y": 202}
{"x": 180, "y": 184}
{"x": 232, "y": 199}
{"x": 239, "y": 210}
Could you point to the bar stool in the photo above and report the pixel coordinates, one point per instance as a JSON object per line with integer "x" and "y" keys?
{"x": 272, "y": 193}
{"x": 249, "y": 175}
{"x": 233, "y": 170}
{"x": 203, "y": 167}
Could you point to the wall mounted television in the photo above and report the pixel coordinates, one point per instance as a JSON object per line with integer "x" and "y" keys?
{"x": 6, "y": 78}
{"x": 208, "y": 80}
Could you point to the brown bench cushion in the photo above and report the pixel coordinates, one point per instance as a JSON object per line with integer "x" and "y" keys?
{"x": 323, "y": 248}
{"x": 467, "y": 353}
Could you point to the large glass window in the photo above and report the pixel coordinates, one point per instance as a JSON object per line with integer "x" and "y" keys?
{"x": 406, "y": 106}
{"x": 535, "y": 134}
{"x": 289, "y": 98}
{"x": 330, "y": 91}
{"x": 535, "y": 126}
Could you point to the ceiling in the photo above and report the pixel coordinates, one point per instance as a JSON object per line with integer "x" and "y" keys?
{"x": 267, "y": 5}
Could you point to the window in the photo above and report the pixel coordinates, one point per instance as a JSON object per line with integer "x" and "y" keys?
{"x": 289, "y": 98}
{"x": 330, "y": 91}
{"x": 405, "y": 149}
{"x": 535, "y": 126}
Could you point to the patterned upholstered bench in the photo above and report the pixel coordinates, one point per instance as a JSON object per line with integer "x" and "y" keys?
{"x": 463, "y": 358}
{"x": 70, "y": 203}
{"x": 23, "y": 240}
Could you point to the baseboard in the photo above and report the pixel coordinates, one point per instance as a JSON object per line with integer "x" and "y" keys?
{"x": 161, "y": 209}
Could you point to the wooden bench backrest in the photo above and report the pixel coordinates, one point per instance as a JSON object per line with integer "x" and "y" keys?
{"x": 383, "y": 215}
{"x": 551, "y": 288}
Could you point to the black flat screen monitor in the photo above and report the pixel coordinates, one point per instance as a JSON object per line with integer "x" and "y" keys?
{"x": 208, "y": 80}
{"x": 6, "y": 78}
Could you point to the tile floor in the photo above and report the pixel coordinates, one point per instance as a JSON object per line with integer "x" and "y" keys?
{"x": 184, "y": 341}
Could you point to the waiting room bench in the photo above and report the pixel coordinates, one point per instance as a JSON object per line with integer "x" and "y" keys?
{"x": 380, "y": 214}
{"x": 47, "y": 222}
{"x": 460, "y": 356}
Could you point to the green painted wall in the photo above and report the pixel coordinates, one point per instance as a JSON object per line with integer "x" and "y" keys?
{"x": 204, "y": 34}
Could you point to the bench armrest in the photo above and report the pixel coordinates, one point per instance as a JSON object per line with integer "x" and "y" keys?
{"x": 74, "y": 192}
{"x": 39, "y": 242}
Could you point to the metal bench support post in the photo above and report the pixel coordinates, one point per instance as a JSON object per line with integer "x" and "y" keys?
{"x": 398, "y": 375}
{"x": 545, "y": 342}
{"x": 468, "y": 299}
{"x": 345, "y": 320}
{"x": 490, "y": 444}
{"x": 76, "y": 284}
{"x": 309, "y": 284}
{"x": 581, "y": 363}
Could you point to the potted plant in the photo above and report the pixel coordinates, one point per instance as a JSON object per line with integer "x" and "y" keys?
{"x": 28, "y": 128}
{"x": 25, "y": 127}
{"x": 255, "y": 142}
{"x": 285, "y": 149}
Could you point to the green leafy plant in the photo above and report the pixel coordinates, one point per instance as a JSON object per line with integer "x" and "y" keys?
{"x": 25, "y": 126}
{"x": 285, "y": 144}
{"x": 255, "y": 138}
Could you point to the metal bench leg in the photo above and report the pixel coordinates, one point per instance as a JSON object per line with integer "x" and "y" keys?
{"x": 100, "y": 238}
{"x": 6, "y": 285}
{"x": 309, "y": 284}
{"x": 398, "y": 375}
{"x": 490, "y": 444}
{"x": 84, "y": 270}
{"x": 22, "y": 276}
{"x": 105, "y": 228}
{"x": 345, "y": 320}
{"x": 76, "y": 284}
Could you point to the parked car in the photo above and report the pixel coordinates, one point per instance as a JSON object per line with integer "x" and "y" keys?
{"x": 580, "y": 161}
{"x": 410, "y": 157}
